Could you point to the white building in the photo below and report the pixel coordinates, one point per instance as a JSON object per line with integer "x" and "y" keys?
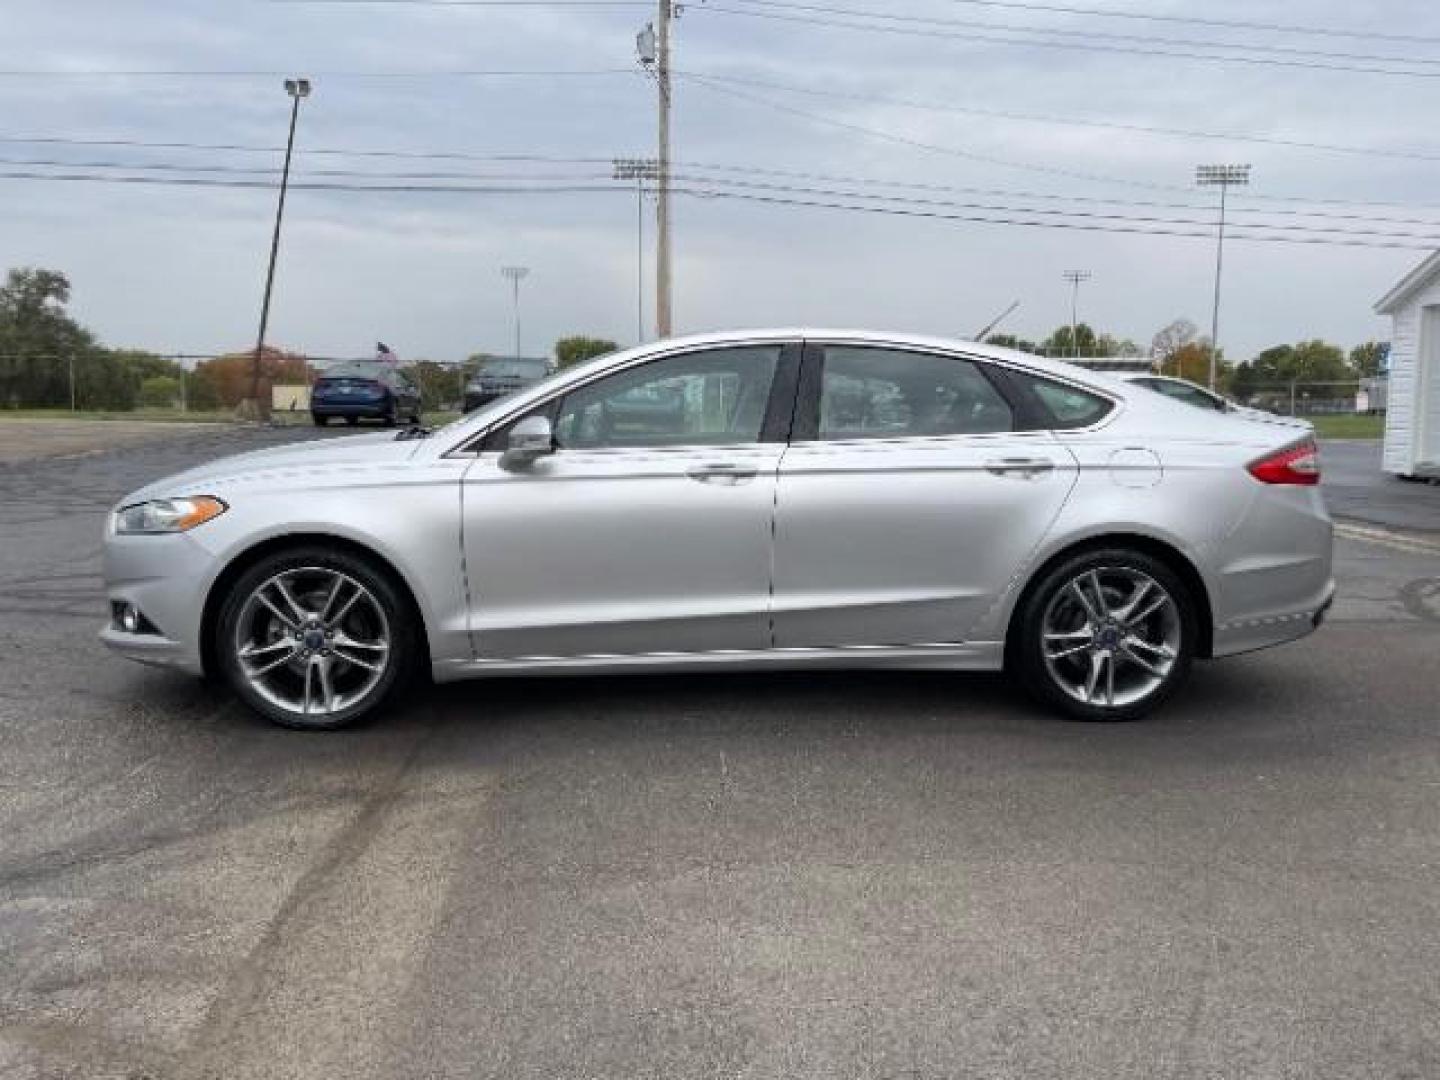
{"x": 1412, "y": 418}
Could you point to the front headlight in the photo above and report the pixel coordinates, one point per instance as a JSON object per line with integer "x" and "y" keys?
{"x": 168, "y": 515}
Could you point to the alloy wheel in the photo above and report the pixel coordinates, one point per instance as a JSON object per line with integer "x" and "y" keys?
{"x": 312, "y": 641}
{"x": 1111, "y": 636}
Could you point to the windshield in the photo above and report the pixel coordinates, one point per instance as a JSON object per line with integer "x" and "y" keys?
{"x": 356, "y": 371}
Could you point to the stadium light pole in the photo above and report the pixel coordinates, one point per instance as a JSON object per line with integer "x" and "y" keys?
{"x": 1224, "y": 177}
{"x": 640, "y": 170}
{"x": 1075, "y": 277}
{"x": 298, "y": 89}
{"x": 515, "y": 275}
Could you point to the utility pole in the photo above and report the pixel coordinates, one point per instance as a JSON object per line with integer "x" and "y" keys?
{"x": 1075, "y": 277}
{"x": 639, "y": 170}
{"x": 516, "y": 274}
{"x": 1223, "y": 177}
{"x": 653, "y": 49}
{"x": 297, "y": 89}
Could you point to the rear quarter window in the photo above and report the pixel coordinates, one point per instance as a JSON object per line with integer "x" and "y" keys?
{"x": 1062, "y": 406}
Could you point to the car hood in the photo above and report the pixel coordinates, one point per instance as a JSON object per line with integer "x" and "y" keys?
{"x": 280, "y": 464}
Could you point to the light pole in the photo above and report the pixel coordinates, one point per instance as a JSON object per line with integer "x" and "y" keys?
{"x": 1223, "y": 177}
{"x": 639, "y": 170}
{"x": 516, "y": 274}
{"x": 297, "y": 89}
{"x": 1075, "y": 277}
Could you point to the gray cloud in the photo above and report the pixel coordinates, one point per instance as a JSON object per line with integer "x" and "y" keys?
{"x": 180, "y": 268}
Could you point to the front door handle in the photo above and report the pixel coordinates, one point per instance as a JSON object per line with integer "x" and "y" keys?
{"x": 1021, "y": 467}
{"x": 721, "y": 472}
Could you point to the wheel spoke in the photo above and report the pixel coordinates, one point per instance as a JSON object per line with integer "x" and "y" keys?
{"x": 330, "y": 600}
{"x": 346, "y": 641}
{"x": 1089, "y": 607}
{"x": 1136, "y": 642}
{"x": 309, "y": 672}
{"x": 1142, "y": 590}
{"x": 1094, "y": 579}
{"x": 1135, "y": 658}
{"x": 350, "y": 658}
{"x": 265, "y": 669}
{"x": 1110, "y": 679}
{"x": 339, "y": 616}
{"x": 327, "y": 688}
{"x": 1060, "y": 654}
{"x": 1083, "y": 634}
{"x": 294, "y": 605}
{"x": 282, "y": 616}
{"x": 250, "y": 651}
{"x": 1097, "y": 661}
{"x": 1150, "y": 609}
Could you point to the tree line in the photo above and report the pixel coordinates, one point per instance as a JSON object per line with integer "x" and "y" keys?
{"x": 1180, "y": 350}
{"x": 48, "y": 360}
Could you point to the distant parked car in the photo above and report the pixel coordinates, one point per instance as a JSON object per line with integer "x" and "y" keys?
{"x": 370, "y": 391}
{"x": 1194, "y": 394}
{"x": 498, "y": 378}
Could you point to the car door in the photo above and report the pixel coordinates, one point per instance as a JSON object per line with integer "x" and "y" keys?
{"x": 909, "y": 498}
{"x": 648, "y": 528}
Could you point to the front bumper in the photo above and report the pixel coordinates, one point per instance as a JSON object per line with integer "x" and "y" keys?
{"x": 167, "y": 579}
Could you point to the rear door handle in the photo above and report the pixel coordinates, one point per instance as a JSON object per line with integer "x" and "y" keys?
{"x": 721, "y": 472}
{"x": 1021, "y": 467}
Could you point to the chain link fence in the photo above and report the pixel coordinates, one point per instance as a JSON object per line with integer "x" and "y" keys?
{"x": 189, "y": 383}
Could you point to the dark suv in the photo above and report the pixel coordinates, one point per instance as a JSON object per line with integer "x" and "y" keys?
{"x": 496, "y": 378}
{"x": 373, "y": 391}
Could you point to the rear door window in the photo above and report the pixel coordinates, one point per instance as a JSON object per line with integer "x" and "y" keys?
{"x": 880, "y": 393}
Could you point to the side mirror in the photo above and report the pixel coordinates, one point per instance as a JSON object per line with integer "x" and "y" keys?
{"x": 530, "y": 440}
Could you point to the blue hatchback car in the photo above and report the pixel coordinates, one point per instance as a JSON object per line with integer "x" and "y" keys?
{"x": 352, "y": 392}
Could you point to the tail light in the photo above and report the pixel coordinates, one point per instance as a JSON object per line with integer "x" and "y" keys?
{"x": 1298, "y": 464}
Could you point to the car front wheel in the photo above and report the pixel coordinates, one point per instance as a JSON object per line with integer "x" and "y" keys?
{"x": 1106, "y": 635}
{"x": 316, "y": 639}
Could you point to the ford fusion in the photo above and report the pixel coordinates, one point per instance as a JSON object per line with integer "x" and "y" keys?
{"x": 795, "y": 499}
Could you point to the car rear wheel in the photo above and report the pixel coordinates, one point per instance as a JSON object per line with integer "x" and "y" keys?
{"x": 1106, "y": 635}
{"x": 316, "y": 639}
{"x": 320, "y": 421}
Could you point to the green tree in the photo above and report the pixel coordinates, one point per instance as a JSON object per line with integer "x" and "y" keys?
{"x": 1366, "y": 360}
{"x": 1169, "y": 340}
{"x": 440, "y": 384}
{"x": 1061, "y": 344}
{"x": 570, "y": 351}
{"x": 1010, "y": 341}
{"x": 159, "y": 392}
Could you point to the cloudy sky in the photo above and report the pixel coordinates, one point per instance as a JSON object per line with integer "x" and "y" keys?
{"x": 1034, "y": 114}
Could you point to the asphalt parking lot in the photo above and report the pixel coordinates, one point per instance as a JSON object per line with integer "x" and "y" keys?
{"x": 832, "y": 875}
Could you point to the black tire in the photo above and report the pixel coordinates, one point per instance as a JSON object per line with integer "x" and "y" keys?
{"x": 405, "y": 641}
{"x": 1042, "y": 679}
{"x": 351, "y": 421}
{"x": 320, "y": 421}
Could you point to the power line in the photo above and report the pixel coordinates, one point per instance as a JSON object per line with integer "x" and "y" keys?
{"x": 872, "y": 27}
{"x": 1030, "y": 223}
{"x": 1193, "y": 20}
{"x": 1100, "y": 35}
{"x": 730, "y": 167}
{"x": 697, "y": 172}
{"x": 367, "y": 73}
{"x": 1072, "y": 221}
{"x": 951, "y": 151}
{"x": 1010, "y": 5}
{"x": 967, "y": 110}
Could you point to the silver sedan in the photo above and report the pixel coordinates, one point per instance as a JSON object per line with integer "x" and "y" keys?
{"x": 757, "y": 500}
